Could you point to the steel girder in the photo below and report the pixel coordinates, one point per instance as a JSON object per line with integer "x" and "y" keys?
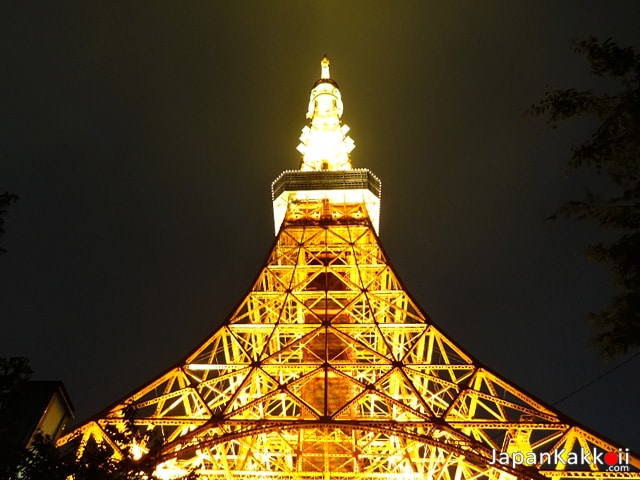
{"x": 329, "y": 369}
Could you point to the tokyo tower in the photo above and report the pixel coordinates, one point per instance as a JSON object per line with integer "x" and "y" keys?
{"x": 328, "y": 368}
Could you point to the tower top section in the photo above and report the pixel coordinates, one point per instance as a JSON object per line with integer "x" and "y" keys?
{"x": 324, "y": 143}
{"x": 326, "y": 189}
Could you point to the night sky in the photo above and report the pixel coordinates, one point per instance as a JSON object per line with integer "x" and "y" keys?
{"x": 142, "y": 139}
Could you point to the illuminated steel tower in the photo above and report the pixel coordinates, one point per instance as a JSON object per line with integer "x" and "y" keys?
{"x": 328, "y": 369}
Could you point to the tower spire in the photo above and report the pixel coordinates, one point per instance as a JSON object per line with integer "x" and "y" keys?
{"x": 324, "y": 143}
{"x": 326, "y": 186}
{"x": 324, "y": 64}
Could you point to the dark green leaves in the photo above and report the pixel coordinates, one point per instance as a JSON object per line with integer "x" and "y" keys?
{"x": 613, "y": 149}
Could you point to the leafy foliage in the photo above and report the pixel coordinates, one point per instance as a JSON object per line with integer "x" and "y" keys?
{"x": 13, "y": 372}
{"x": 613, "y": 149}
{"x": 6, "y": 199}
{"x": 43, "y": 460}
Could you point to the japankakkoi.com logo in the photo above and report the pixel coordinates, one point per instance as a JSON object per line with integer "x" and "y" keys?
{"x": 605, "y": 461}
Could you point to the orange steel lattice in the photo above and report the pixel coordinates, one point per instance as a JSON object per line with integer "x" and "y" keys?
{"x": 329, "y": 369}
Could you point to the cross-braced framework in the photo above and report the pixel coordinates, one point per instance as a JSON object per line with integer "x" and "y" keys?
{"x": 329, "y": 369}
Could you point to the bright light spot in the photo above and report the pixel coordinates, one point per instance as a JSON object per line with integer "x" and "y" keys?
{"x": 137, "y": 451}
{"x": 169, "y": 470}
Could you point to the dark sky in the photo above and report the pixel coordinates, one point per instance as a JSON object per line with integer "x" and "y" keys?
{"x": 142, "y": 139}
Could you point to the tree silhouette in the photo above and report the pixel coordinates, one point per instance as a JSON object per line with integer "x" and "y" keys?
{"x": 13, "y": 372}
{"x": 6, "y": 199}
{"x": 43, "y": 460}
{"x": 613, "y": 150}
